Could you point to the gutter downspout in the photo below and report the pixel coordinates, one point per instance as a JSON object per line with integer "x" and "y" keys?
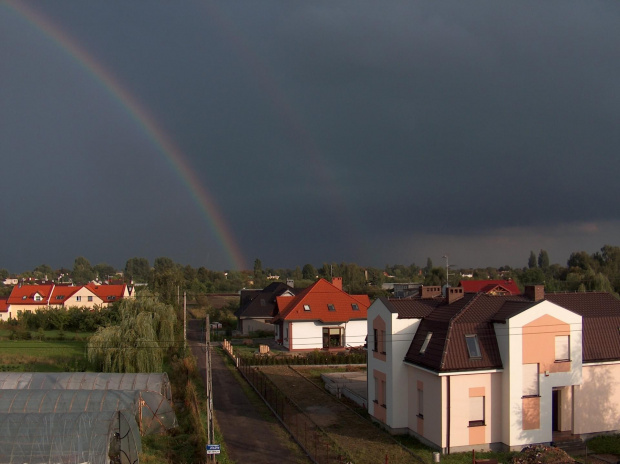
{"x": 448, "y": 420}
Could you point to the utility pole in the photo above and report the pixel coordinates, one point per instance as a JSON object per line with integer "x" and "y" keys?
{"x": 184, "y": 320}
{"x": 209, "y": 387}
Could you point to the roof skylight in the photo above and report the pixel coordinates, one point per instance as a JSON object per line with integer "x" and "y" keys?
{"x": 426, "y": 341}
{"x": 472, "y": 346}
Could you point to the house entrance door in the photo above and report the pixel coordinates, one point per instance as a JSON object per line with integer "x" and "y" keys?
{"x": 555, "y": 410}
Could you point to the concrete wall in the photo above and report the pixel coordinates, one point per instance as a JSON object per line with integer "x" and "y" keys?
{"x": 597, "y": 400}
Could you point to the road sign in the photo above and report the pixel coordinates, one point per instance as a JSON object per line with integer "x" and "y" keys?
{"x": 213, "y": 449}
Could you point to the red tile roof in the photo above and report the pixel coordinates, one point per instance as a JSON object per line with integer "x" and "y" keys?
{"x": 107, "y": 293}
{"x": 61, "y": 293}
{"x": 4, "y": 305}
{"x": 317, "y": 297}
{"x": 490, "y": 286}
{"x": 25, "y": 294}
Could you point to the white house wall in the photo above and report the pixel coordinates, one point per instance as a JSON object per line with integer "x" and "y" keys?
{"x": 398, "y": 336}
{"x": 431, "y": 428}
{"x": 354, "y": 334}
{"x": 510, "y": 341}
{"x": 597, "y": 401}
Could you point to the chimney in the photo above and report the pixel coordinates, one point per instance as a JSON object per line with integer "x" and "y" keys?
{"x": 337, "y": 282}
{"x": 535, "y": 292}
{"x": 454, "y": 294}
{"x": 290, "y": 283}
{"x": 429, "y": 291}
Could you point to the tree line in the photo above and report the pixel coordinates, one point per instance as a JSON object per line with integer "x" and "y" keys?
{"x": 599, "y": 271}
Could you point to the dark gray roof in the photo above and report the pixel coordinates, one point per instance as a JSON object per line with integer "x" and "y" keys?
{"x": 262, "y": 303}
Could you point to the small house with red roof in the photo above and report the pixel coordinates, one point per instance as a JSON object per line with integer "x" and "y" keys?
{"x": 321, "y": 316}
{"x": 490, "y": 287}
{"x": 495, "y": 371}
{"x": 41, "y": 296}
{"x": 4, "y": 309}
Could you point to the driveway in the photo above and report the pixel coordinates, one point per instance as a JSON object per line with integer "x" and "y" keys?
{"x": 249, "y": 436}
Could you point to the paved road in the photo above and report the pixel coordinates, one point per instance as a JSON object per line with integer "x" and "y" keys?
{"x": 249, "y": 438}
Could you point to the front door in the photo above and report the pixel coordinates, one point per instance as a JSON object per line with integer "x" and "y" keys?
{"x": 555, "y": 410}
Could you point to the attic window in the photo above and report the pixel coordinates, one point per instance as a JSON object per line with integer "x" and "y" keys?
{"x": 472, "y": 346}
{"x": 37, "y": 298}
{"x": 331, "y": 307}
{"x": 59, "y": 297}
{"x": 111, "y": 297}
{"x": 425, "y": 344}
{"x": 24, "y": 297}
{"x": 306, "y": 307}
{"x": 355, "y": 307}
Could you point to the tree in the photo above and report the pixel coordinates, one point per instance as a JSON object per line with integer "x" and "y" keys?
{"x": 138, "y": 343}
{"x": 309, "y": 272}
{"x": 531, "y": 262}
{"x": 137, "y": 270}
{"x": 82, "y": 270}
{"x": 429, "y": 266}
{"x": 43, "y": 271}
{"x": 104, "y": 271}
{"x": 543, "y": 259}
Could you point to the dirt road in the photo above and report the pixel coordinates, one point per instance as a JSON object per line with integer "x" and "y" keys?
{"x": 250, "y": 435}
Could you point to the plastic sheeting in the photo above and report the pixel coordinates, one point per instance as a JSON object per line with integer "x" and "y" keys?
{"x": 153, "y": 412}
{"x": 69, "y": 438}
{"x": 86, "y": 381}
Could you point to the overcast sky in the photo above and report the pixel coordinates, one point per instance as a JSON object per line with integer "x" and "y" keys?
{"x": 218, "y": 132}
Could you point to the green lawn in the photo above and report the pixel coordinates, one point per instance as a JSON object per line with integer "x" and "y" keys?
{"x": 42, "y": 356}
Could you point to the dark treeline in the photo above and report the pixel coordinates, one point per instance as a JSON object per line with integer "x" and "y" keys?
{"x": 599, "y": 271}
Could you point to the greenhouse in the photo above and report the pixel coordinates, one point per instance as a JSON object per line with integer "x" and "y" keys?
{"x": 69, "y": 438}
{"x": 86, "y": 381}
{"x": 152, "y": 412}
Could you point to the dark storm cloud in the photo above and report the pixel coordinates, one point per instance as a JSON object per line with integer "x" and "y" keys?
{"x": 325, "y": 131}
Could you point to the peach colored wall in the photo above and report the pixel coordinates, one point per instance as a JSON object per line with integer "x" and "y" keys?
{"x": 597, "y": 400}
{"x": 462, "y": 387}
{"x": 539, "y": 343}
{"x": 531, "y": 412}
{"x": 379, "y": 410}
{"x": 431, "y": 426}
{"x": 83, "y": 293}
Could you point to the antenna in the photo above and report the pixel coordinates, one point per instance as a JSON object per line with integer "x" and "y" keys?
{"x": 447, "y": 270}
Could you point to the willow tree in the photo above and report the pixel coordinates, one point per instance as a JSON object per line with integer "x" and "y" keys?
{"x": 138, "y": 343}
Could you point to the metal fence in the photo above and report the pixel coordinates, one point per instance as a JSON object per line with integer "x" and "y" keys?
{"x": 315, "y": 442}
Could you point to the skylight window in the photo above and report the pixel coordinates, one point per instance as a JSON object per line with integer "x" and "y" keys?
{"x": 111, "y": 297}
{"x": 331, "y": 307}
{"x": 426, "y": 341}
{"x": 355, "y": 307}
{"x": 306, "y": 307}
{"x": 472, "y": 346}
{"x": 59, "y": 297}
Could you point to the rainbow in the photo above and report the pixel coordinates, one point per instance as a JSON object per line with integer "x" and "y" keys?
{"x": 158, "y": 136}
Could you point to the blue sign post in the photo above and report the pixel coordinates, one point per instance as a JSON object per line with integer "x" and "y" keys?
{"x": 213, "y": 449}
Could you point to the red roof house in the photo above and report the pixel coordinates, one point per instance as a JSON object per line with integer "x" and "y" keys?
{"x": 321, "y": 316}
{"x": 490, "y": 287}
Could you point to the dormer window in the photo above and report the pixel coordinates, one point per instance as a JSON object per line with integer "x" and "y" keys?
{"x": 355, "y": 307}
{"x": 38, "y": 297}
{"x": 426, "y": 341}
{"x": 330, "y": 307}
{"x": 472, "y": 346}
{"x": 306, "y": 307}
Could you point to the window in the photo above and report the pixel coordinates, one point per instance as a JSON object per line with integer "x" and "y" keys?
{"x": 111, "y": 297}
{"x": 355, "y": 307}
{"x": 90, "y": 298}
{"x": 530, "y": 380}
{"x": 375, "y": 341}
{"x": 382, "y": 335}
{"x": 78, "y": 298}
{"x": 59, "y": 297}
{"x": 421, "y": 403}
{"x": 562, "y": 350}
{"x": 333, "y": 337}
{"x": 331, "y": 307}
{"x": 425, "y": 344}
{"x": 476, "y": 411}
{"x": 38, "y": 297}
{"x": 472, "y": 346}
{"x": 306, "y": 307}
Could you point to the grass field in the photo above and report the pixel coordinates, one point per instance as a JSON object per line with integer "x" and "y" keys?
{"x": 42, "y": 356}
